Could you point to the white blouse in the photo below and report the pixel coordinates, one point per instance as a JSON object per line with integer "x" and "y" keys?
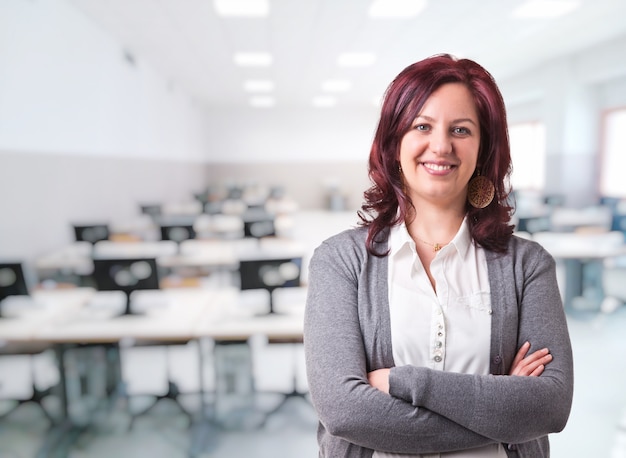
{"x": 448, "y": 329}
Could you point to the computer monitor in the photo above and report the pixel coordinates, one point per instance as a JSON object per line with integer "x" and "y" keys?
{"x": 177, "y": 232}
{"x": 91, "y": 233}
{"x": 126, "y": 275}
{"x": 12, "y": 281}
{"x": 257, "y": 223}
{"x": 152, "y": 210}
{"x": 270, "y": 274}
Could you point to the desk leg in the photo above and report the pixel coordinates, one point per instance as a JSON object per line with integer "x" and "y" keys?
{"x": 204, "y": 430}
{"x": 573, "y": 282}
{"x": 583, "y": 285}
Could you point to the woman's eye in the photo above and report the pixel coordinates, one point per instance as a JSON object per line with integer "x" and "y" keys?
{"x": 421, "y": 127}
{"x": 461, "y": 130}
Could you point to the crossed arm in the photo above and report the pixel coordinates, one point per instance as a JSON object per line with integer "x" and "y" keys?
{"x": 428, "y": 411}
{"x": 523, "y": 365}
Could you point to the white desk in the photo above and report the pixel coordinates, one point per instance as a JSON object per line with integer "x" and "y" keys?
{"x": 173, "y": 321}
{"x": 27, "y": 315}
{"x": 577, "y": 251}
{"x": 225, "y": 321}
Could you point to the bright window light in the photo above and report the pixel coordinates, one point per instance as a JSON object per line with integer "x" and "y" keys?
{"x": 253, "y": 59}
{"x": 356, "y": 59}
{"x": 242, "y": 8}
{"x": 545, "y": 8}
{"x": 336, "y": 85}
{"x": 262, "y": 101}
{"x": 613, "y": 161}
{"x": 324, "y": 101}
{"x": 258, "y": 86}
{"x": 396, "y": 8}
{"x": 528, "y": 153}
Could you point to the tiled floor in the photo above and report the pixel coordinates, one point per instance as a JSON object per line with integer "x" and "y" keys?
{"x": 597, "y": 426}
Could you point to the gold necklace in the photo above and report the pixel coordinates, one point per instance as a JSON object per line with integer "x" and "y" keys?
{"x": 436, "y": 246}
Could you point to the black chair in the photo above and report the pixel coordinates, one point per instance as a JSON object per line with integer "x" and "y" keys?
{"x": 129, "y": 275}
{"x": 177, "y": 232}
{"x": 91, "y": 233}
{"x": 271, "y": 274}
{"x": 126, "y": 275}
{"x": 258, "y": 223}
{"x": 13, "y": 283}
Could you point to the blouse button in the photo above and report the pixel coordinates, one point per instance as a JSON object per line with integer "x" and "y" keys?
{"x": 437, "y": 359}
{"x": 438, "y": 344}
{"x": 497, "y": 359}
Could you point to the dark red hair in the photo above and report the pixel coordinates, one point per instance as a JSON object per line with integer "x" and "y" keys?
{"x": 385, "y": 202}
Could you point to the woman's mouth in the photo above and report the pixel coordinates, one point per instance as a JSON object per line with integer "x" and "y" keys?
{"x": 437, "y": 167}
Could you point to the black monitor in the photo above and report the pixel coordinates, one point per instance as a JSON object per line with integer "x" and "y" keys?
{"x": 152, "y": 210}
{"x": 258, "y": 222}
{"x": 12, "y": 281}
{"x": 270, "y": 274}
{"x": 127, "y": 275}
{"x": 177, "y": 232}
{"x": 91, "y": 233}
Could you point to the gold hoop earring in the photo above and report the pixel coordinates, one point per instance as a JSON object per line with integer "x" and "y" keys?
{"x": 480, "y": 191}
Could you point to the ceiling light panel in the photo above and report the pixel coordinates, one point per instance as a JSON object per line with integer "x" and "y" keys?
{"x": 324, "y": 101}
{"x": 242, "y": 8}
{"x": 253, "y": 59}
{"x": 336, "y": 85}
{"x": 396, "y": 8}
{"x": 262, "y": 101}
{"x": 545, "y": 8}
{"x": 258, "y": 86}
{"x": 356, "y": 59}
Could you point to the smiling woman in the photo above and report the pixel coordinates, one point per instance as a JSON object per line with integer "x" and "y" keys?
{"x": 431, "y": 328}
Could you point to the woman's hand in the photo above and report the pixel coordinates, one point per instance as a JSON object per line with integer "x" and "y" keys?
{"x": 379, "y": 379}
{"x": 532, "y": 365}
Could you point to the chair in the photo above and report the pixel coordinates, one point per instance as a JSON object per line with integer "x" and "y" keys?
{"x": 13, "y": 283}
{"x": 130, "y": 275}
{"x": 274, "y": 273}
{"x": 270, "y": 274}
{"x": 91, "y": 233}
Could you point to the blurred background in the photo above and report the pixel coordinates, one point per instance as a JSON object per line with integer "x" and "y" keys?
{"x": 132, "y": 117}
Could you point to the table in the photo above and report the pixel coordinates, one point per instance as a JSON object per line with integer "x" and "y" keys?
{"x": 578, "y": 252}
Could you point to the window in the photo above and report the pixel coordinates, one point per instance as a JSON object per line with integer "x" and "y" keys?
{"x": 613, "y": 156}
{"x": 528, "y": 153}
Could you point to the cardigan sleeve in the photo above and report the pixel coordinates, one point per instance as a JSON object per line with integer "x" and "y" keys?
{"x": 347, "y": 406}
{"x": 510, "y": 409}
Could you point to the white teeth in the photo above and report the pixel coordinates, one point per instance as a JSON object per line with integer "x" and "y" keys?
{"x": 437, "y": 167}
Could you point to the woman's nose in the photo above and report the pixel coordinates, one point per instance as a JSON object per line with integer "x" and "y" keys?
{"x": 440, "y": 142}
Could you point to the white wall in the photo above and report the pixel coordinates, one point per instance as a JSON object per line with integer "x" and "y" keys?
{"x": 66, "y": 87}
{"x": 84, "y": 135}
{"x": 292, "y": 135}
{"x": 569, "y": 95}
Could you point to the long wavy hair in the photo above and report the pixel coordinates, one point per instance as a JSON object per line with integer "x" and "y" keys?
{"x": 386, "y": 204}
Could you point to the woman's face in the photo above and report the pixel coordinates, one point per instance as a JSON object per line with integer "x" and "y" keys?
{"x": 439, "y": 153}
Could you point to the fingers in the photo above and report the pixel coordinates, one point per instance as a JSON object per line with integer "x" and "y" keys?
{"x": 521, "y": 353}
{"x": 531, "y": 365}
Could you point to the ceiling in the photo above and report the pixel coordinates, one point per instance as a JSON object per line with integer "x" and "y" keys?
{"x": 187, "y": 43}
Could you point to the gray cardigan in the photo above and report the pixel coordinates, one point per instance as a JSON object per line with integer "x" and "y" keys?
{"x": 347, "y": 333}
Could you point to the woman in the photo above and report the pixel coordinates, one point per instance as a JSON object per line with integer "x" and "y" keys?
{"x": 431, "y": 330}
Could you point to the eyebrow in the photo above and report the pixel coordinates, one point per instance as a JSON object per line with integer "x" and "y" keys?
{"x": 428, "y": 118}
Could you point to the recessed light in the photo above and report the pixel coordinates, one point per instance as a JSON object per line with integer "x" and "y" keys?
{"x": 324, "y": 101}
{"x": 356, "y": 59}
{"x": 336, "y": 85}
{"x": 545, "y": 8}
{"x": 258, "y": 86}
{"x": 253, "y": 59}
{"x": 242, "y": 8}
{"x": 262, "y": 101}
{"x": 396, "y": 8}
